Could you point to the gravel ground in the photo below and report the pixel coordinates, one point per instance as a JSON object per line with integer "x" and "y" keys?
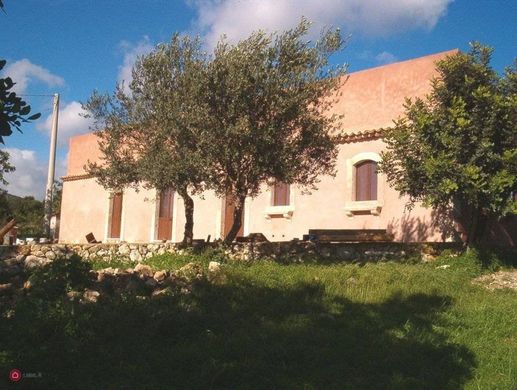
{"x": 501, "y": 279}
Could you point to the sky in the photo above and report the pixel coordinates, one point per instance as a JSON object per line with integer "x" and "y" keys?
{"x": 73, "y": 47}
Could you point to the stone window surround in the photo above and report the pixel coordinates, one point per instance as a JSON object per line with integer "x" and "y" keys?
{"x": 352, "y": 206}
{"x": 284, "y": 211}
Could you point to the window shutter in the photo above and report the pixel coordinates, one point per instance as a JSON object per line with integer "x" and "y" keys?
{"x": 281, "y": 194}
{"x": 366, "y": 181}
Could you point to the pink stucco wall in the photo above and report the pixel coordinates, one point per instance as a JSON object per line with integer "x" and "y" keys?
{"x": 371, "y": 99}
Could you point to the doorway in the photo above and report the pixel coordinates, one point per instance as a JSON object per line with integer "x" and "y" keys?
{"x": 227, "y": 220}
{"x": 165, "y": 208}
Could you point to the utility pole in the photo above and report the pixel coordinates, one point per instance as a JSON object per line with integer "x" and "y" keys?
{"x": 51, "y": 166}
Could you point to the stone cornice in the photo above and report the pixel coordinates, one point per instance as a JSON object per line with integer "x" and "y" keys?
{"x": 76, "y": 177}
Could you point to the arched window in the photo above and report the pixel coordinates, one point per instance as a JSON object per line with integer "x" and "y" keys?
{"x": 366, "y": 180}
{"x": 281, "y": 194}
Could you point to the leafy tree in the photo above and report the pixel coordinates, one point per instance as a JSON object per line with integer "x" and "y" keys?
{"x": 457, "y": 148}
{"x": 5, "y": 208}
{"x": 148, "y": 136}
{"x": 13, "y": 112}
{"x": 267, "y": 104}
{"x": 27, "y": 211}
{"x": 57, "y": 195}
{"x": 13, "y": 109}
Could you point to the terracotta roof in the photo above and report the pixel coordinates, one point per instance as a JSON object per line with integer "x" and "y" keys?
{"x": 359, "y": 136}
{"x": 76, "y": 177}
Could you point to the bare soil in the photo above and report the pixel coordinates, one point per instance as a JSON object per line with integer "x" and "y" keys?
{"x": 498, "y": 280}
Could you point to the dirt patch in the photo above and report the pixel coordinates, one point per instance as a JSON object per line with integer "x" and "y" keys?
{"x": 501, "y": 279}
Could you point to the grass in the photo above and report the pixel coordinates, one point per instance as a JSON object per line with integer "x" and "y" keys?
{"x": 272, "y": 326}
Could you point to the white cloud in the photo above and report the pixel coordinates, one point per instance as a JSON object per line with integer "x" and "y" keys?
{"x": 30, "y": 176}
{"x": 23, "y": 72}
{"x": 70, "y": 122}
{"x": 131, "y": 53}
{"x": 385, "y": 58}
{"x": 238, "y": 18}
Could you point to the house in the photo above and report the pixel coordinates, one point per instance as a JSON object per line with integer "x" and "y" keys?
{"x": 356, "y": 198}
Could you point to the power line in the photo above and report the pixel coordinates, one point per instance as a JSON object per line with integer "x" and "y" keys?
{"x": 20, "y": 94}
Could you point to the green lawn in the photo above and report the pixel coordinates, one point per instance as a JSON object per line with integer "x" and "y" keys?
{"x": 271, "y": 326}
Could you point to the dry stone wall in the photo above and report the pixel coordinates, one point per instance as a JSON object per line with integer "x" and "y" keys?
{"x": 292, "y": 251}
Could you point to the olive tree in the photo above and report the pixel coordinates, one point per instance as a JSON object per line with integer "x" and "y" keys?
{"x": 267, "y": 102}
{"x": 147, "y": 136}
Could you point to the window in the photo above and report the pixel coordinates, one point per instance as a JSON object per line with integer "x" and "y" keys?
{"x": 115, "y": 215}
{"x": 281, "y": 194}
{"x": 366, "y": 180}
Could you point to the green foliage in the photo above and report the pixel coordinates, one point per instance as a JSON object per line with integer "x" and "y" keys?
{"x": 57, "y": 194}
{"x": 5, "y": 166}
{"x": 59, "y": 277}
{"x": 13, "y": 112}
{"x": 13, "y": 109}
{"x": 457, "y": 149}
{"x": 267, "y": 104}
{"x": 383, "y": 325}
{"x": 148, "y": 135}
{"x": 252, "y": 112}
{"x": 28, "y": 213}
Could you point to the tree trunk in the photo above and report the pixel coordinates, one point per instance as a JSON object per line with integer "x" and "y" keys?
{"x": 476, "y": 231}
{"x": 188, "y": 234}
{"x": 237, "y": 220}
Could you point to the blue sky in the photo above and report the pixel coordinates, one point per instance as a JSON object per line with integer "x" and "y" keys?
{"x": 75, "y": 46}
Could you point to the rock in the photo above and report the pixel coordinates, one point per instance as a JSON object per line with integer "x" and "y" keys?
{"x": 91, "y": 295}
{"x": 6, "y": 287}
{"x": 73, "y": 295}
{"x": 50, "y": 255}
{"x": 214, "y": 266}
{"x": 135, "y": 255}
{"x": 35, "y": 261}
{"x": 13, "y": 262}
{"x": 161, "y": 293}
{"x": 151, "y": 283}
{"x": 160, "y": 276}
{"x": 24, "y": 250}
{"x": 124, "y": 249}
{"x": 190, "y": 272}
{"x": 170, "y": 281}
{"x": 144, "y": 270}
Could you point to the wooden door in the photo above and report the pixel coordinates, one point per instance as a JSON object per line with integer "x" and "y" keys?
{"x": 116, "y": 215}
{"x": 165, "y": 215}
{"x": 227, "y": 222}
